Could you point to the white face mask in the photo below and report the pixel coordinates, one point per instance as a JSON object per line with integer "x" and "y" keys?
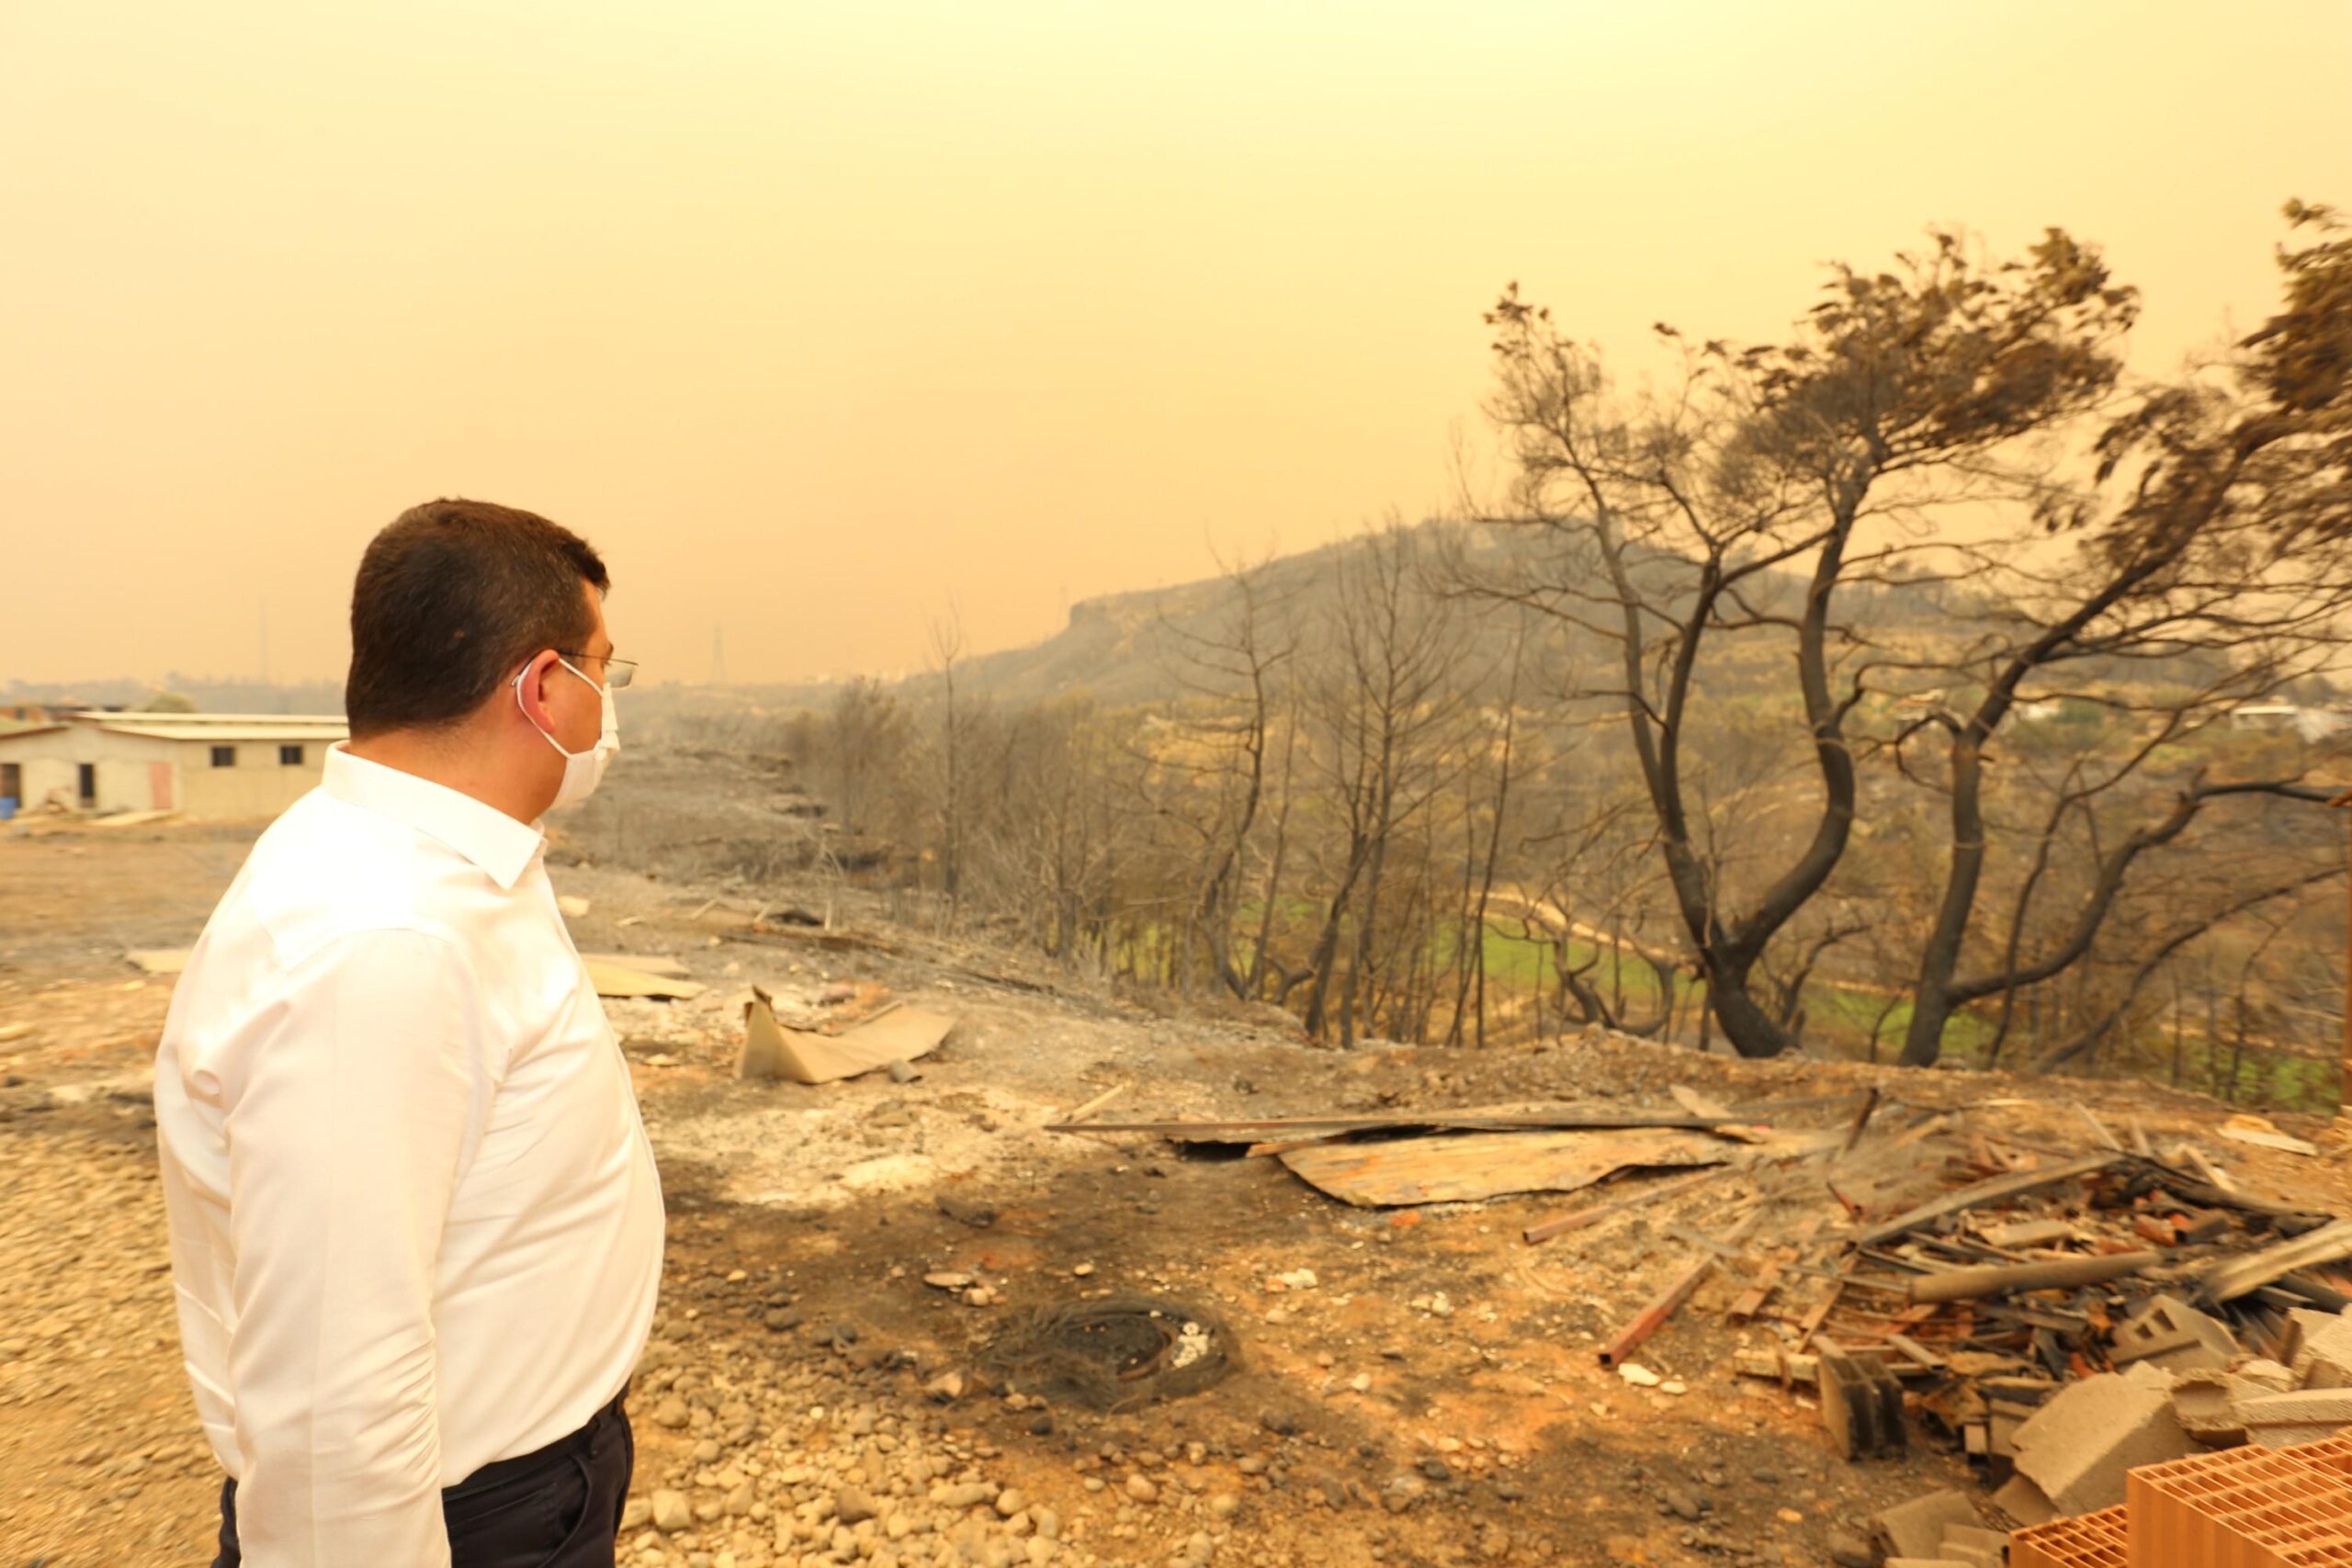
{"x": 582, "y": 771}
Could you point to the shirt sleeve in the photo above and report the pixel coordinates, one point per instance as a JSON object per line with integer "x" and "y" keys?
{"x": 345, "y": 1143}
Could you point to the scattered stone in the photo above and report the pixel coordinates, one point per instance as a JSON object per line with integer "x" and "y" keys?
{"x": 1848, "y": 1550}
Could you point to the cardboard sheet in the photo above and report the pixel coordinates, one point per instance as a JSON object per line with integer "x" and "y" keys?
{"x": 643, "y": 963}
{"x": 612, "y": 979}
{"x": 773, "y": 1050}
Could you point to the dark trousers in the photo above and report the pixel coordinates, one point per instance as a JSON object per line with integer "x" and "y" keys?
{"x": 560, "y": 1508}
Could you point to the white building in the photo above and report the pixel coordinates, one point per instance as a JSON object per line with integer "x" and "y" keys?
{"x": 2312, "y": 724}
{"x": 219, "y": 766}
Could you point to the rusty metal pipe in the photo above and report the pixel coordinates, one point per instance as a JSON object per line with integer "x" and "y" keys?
{"x": 1651, "y": 1318}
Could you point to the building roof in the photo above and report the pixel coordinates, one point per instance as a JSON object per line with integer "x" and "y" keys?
{"x": 220, "y": 726}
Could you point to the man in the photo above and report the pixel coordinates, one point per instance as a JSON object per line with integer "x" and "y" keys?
{"x": 416, "y": 1230}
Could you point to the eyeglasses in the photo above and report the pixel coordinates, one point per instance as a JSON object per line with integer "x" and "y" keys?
{"x": 618, "y": 672}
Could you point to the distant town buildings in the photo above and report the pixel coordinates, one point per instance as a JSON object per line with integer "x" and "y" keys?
{"x": 2310, "y": 723}
{"x": 217, "y": 766}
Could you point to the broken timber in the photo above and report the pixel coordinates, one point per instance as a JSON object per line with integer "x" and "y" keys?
{"x": 2242, "y": 1276}
{"x": 1800, "y": 1367}
{"x": 1600, "y": 1211}
{"x": 1997, "y": 1190}
{"x": 1214, "y": 1131}
{"x": 1651, "y": 1318}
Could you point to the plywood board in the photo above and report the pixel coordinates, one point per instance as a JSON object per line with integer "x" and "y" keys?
{"x": 617, "y": 980}
{"x": 134, "y": 818}
{"x": 643, "y": 963}
{"x": 1463, "y": 1167}
{"x": 772, "y": 1051}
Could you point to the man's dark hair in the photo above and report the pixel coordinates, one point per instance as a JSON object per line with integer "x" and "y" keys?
{"x": 452, "y": 597}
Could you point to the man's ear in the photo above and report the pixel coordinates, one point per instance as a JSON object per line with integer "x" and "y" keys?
{"x": 533, "y": 687}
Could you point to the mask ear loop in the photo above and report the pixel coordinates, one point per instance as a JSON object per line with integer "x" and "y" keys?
{"x": 518, "y": 685}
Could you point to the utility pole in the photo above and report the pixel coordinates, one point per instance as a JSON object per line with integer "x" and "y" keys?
{"x": 718, "y": 656}
{"x": 265, "y": 642}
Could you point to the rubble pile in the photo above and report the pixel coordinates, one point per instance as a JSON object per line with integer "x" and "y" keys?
{"x": 2074, "y": 1322}
{"x": 2066, "y": 1317}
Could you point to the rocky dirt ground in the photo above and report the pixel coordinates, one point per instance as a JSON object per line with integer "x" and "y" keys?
{"x": 1433, "y": 1397}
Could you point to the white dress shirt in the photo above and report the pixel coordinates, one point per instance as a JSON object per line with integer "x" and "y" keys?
{"x": 415, "y": 1219}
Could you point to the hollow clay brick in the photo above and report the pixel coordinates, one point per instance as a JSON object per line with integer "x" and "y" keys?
{"x": 2087, "y": 1541}
{"x": 2245, "y": 1507}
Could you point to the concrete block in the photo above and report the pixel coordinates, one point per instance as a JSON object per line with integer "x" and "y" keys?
{"x": 2023, "y": 1500}
{"x": 1862, "y": 1405}
{"x": 2301, "y": 1323}
{"x": 1975, "y": 1538}
{"x": 2206, "y": 1404}
{"x": 2277, "y": 1379}
{"x": 2176, "y": 1336}
{"x": 2304, "y": 1407}
{"x": 1976, "y": 1546}
{"x": 2009, "y": 1402}
{"x": 2078, "y": 1447}
{"x": 1916, "y": 1528}
{"x": 2325, "y": 1358}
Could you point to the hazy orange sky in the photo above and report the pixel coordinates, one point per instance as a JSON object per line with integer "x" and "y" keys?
{"x": 814, "y": 318}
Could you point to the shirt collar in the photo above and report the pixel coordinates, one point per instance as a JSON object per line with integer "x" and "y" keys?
{"x": 500, "y": 845}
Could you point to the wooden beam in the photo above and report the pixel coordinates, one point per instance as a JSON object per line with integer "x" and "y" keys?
{"x": 1651, "y": 1318}
{"x": 2245, "y": 1274}
{"x": 1965, "y": 1284}
{"x": 1998, "y": 1190}
{"x": 1239, "y": 1132}
{"x": 1600, "y": 1211}
{"x": 1095, "y": 1104}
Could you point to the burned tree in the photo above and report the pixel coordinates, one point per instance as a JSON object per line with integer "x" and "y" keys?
{"x": 2210, "y": 538}
{"x": 1742, "y": 505}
